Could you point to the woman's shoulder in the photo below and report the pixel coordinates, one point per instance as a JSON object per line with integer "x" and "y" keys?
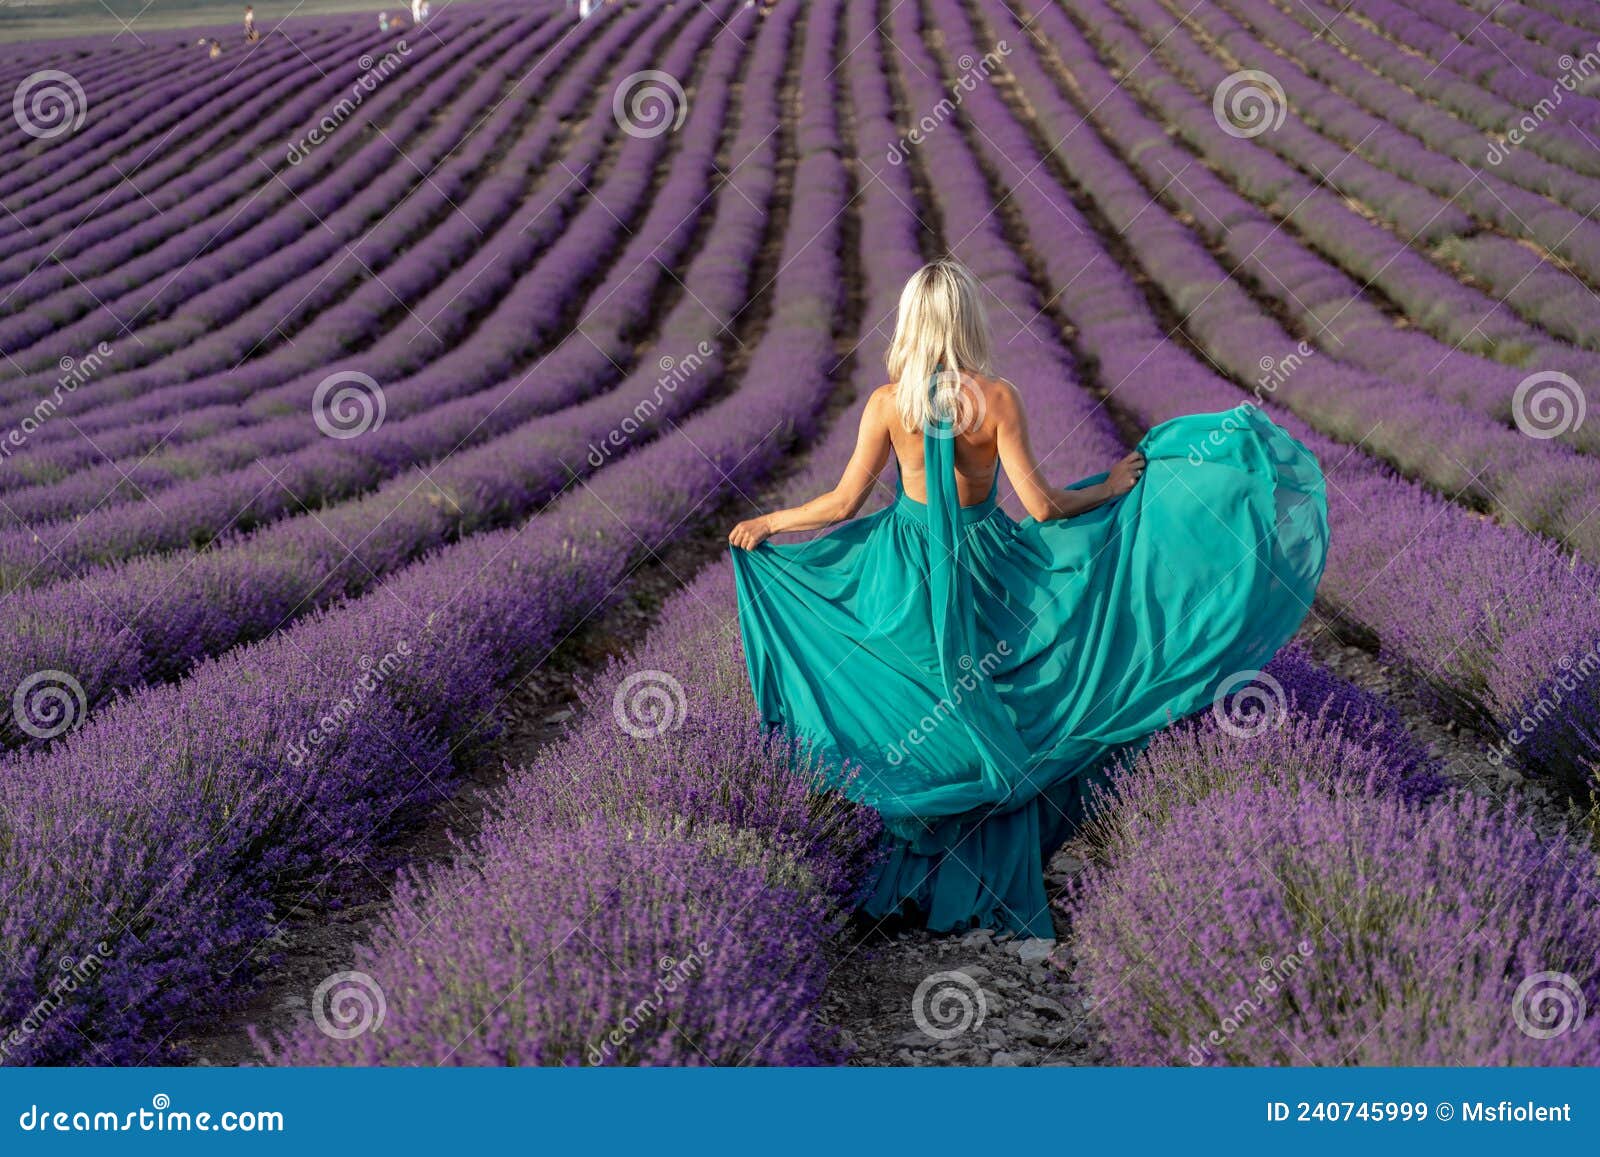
{"x": 883, "y": 400}
{"x": 998, "y": 393}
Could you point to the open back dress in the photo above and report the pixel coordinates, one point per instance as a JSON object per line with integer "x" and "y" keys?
{"x": 976, "y": 673}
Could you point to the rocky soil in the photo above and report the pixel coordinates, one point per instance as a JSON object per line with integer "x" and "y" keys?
{"x": 909, "y": 997}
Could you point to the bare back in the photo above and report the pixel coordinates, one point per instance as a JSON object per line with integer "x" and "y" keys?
{"x": 977, "y": 450}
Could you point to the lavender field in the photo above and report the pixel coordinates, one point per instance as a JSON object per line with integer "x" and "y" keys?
{"x": 373, "y": 405}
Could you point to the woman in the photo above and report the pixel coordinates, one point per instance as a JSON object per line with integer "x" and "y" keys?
{"x": 976, "y": 674}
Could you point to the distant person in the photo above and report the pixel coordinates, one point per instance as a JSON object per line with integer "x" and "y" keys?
{"x": 250, "y": 33}
{"x": 419, "y": 11}
{"x": 216, "y": 49}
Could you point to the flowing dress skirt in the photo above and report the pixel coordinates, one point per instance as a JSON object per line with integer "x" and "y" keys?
{"x": 977, "y": 673}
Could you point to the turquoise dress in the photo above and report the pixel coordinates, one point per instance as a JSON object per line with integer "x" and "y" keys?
{"x": 977, "y": 674}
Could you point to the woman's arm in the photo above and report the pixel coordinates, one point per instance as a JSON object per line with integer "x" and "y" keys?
{"x": 842, "y": 502}
{"x": 1043, "y": 501}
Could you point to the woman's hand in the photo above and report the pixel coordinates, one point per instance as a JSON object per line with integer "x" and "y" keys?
{"x": 750, "y": 533}
{"x": 1125, "y": 475}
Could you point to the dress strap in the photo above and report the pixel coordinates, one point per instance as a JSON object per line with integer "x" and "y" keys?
{"x": 963, "y": 670}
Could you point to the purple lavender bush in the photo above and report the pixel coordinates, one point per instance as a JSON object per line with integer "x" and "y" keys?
{"x": 1271, "y": 909}
{"x": 1363, "y": 719}
{"x": 590, "y": 947}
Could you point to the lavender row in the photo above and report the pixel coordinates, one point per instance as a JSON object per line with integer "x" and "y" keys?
{"x": 1431, "y": 296}
{"x": 109, "y": 69}
{"x": 367, "y": 450}
{"x": 1474, "y": 101}
{"x": 1324, "y": 103}
{"x": 91, "y": 193}
{"x": 147, "y": 620}
{"x": 1576, "y": 14}
{"x": 149, "y": 297}
{"x": 1481, "y": 57}
{"x": 106, "y": 73}
{"x": 132, "y": 122}
{"x": 190, "y": 174}
{"x": 449, "y": 278}
{"x": 123, "y": 71}
{"x": 1333, "y": 310}
{"x": 1571, "y": 29}
{"x": 134, "y": 431}
{"x": 1334, "y": 920}
{"x": 1379, "y": 76}
{"x": 543, "y": 947}
{"x": 309, "y": 204}
{"x": 1535, "y": 287}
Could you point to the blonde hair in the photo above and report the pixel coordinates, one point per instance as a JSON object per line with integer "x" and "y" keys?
{"x": 942, "y": 328}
